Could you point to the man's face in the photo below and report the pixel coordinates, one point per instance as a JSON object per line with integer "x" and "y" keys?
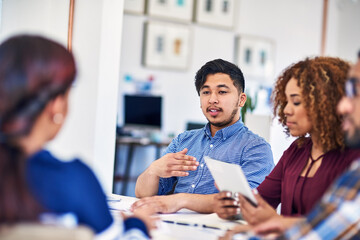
{"x": 220, "y": 101}
{"x": 349, "y": 108}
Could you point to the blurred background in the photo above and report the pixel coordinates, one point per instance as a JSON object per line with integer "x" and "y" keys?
{"x": 137, "y": 61}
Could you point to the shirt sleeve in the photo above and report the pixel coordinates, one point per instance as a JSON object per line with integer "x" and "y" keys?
{"x": 135, "y": 223}
{"x": 167, "y": 184}
{"x": 87, "y": 199}
{"x": 257, "y": 162}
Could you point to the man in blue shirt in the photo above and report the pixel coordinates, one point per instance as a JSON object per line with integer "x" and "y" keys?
{"x": 182, "y": 170}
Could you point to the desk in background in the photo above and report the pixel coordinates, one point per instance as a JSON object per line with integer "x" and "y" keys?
{"x": 132, "y": 143}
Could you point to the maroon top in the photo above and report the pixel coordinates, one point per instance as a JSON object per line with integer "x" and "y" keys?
{"x": 280, "y": 185}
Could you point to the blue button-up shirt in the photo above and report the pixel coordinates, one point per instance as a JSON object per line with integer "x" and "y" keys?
{"x": 234, "y": 144}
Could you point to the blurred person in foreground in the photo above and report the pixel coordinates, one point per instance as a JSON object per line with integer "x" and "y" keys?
{"x": 36, "y": 75}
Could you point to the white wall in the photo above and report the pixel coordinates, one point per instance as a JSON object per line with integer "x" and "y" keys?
{"x": 348, "y": 30}
{"x": 89, "y": 131}
{"x": 48, "y": 18}
{"x": 295, "y": 27}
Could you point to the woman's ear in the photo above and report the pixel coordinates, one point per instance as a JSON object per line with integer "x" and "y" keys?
{"x": 242, "y": 99}
{"x": 57, "y": 109}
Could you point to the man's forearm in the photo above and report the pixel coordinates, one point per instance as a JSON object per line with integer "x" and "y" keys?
{"x": 202, "y": 203}
{"x": 147, "y": 184}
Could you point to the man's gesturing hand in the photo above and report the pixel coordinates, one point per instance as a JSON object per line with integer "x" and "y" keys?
{"x": 174, "y": 165}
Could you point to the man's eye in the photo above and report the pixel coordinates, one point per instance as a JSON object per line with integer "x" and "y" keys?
{"x": 223, "y": 92}
{"x": 205, "y": 92}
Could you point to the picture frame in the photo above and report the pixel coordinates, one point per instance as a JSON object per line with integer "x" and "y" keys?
{"x": 166, "y": 45}
{"x": 255, "y": 56}
{"x": 180, "y": 10}
{"x": 134, "y": 6}
{"x": 217, "y": 13}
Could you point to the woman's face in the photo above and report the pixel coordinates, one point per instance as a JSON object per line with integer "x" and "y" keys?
{"x": 297, "y": 119}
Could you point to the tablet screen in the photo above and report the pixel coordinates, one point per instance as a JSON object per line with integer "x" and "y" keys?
{"x": 230, "y": 177}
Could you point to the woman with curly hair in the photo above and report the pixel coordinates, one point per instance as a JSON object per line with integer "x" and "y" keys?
{"x": 305, "y": 99}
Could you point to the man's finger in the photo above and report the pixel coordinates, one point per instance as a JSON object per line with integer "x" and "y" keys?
{"x": 229, "y": 203}
{"x": 184, "y": 151}
{"x": 141, "y": 202}
{"x": 179, "y": 174}
{"x": 184, "y": 157}
{"x": 224, "y": 194}
{"x": 182, "y": 168}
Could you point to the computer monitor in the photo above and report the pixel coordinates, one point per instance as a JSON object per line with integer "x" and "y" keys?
{"x": 142, "y": 111}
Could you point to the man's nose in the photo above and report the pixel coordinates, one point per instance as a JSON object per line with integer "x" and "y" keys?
{"x": 344, "y": 106}
{"x": 213, "y": 98}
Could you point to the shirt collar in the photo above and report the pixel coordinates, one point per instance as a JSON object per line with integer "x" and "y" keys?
{"x": 225, "y": 132}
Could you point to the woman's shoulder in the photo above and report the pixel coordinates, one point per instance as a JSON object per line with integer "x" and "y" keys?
{"x": 45, "y": 163}
{"x": 299, "y": 144}
{"x": 296, "y": 149}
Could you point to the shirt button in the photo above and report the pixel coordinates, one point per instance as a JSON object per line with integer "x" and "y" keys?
{"x": 201, "y": 165}
{"x": 211, "y": 145}
{"x": 193, "y": 186}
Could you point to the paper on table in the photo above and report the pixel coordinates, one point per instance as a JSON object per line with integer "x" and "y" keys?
{"x": 120, "y": 203}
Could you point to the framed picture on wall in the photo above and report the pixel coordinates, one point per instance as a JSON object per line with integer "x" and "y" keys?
{"x": 218, "y": 13}
{"x": 255, "y": 56}
{"x": 181, "y": 10}
{"x": 166, "y": 45}
{"x": 134, "y": 6}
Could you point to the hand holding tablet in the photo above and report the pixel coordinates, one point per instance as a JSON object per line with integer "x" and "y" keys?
{"x": 230, "y": 177}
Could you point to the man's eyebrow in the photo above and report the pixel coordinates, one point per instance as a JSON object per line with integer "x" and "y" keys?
{"x": 218, "y": 86}
{"x": 222, "y": 85}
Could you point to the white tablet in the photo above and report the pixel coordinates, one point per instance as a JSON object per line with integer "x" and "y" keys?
{"x": 230, "y": 177}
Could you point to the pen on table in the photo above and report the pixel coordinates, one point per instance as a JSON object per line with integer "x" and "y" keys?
{"x": 114, "y": 200}
{"x": 211, "y": 227}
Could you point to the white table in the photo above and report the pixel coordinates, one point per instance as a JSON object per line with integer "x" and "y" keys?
{"x": 184, "y": 224}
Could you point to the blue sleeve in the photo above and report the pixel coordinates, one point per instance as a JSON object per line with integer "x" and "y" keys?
{"x": 166, "y": 184}
{"x": 86, "y": 198}
{"x": 257, "y": 162}
{"x": 133, "y": 222}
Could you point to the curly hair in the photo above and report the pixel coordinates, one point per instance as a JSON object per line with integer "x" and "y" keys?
{"x": 322, "y": 81}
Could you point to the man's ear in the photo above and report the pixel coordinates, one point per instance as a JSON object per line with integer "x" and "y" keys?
{"x": 242, "y": 99}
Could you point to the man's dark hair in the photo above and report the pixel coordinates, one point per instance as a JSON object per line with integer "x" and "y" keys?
{"x": 220, "y": 66}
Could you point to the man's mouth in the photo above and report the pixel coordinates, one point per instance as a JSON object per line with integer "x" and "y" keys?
{"x": 347, "y": 124}
{"x": 214, "y": 111}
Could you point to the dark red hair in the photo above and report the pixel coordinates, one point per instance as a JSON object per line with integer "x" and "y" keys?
{"x": 33, "y": 71}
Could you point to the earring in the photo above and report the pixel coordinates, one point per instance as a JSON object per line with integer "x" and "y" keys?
{"x": 58, "y": 118}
